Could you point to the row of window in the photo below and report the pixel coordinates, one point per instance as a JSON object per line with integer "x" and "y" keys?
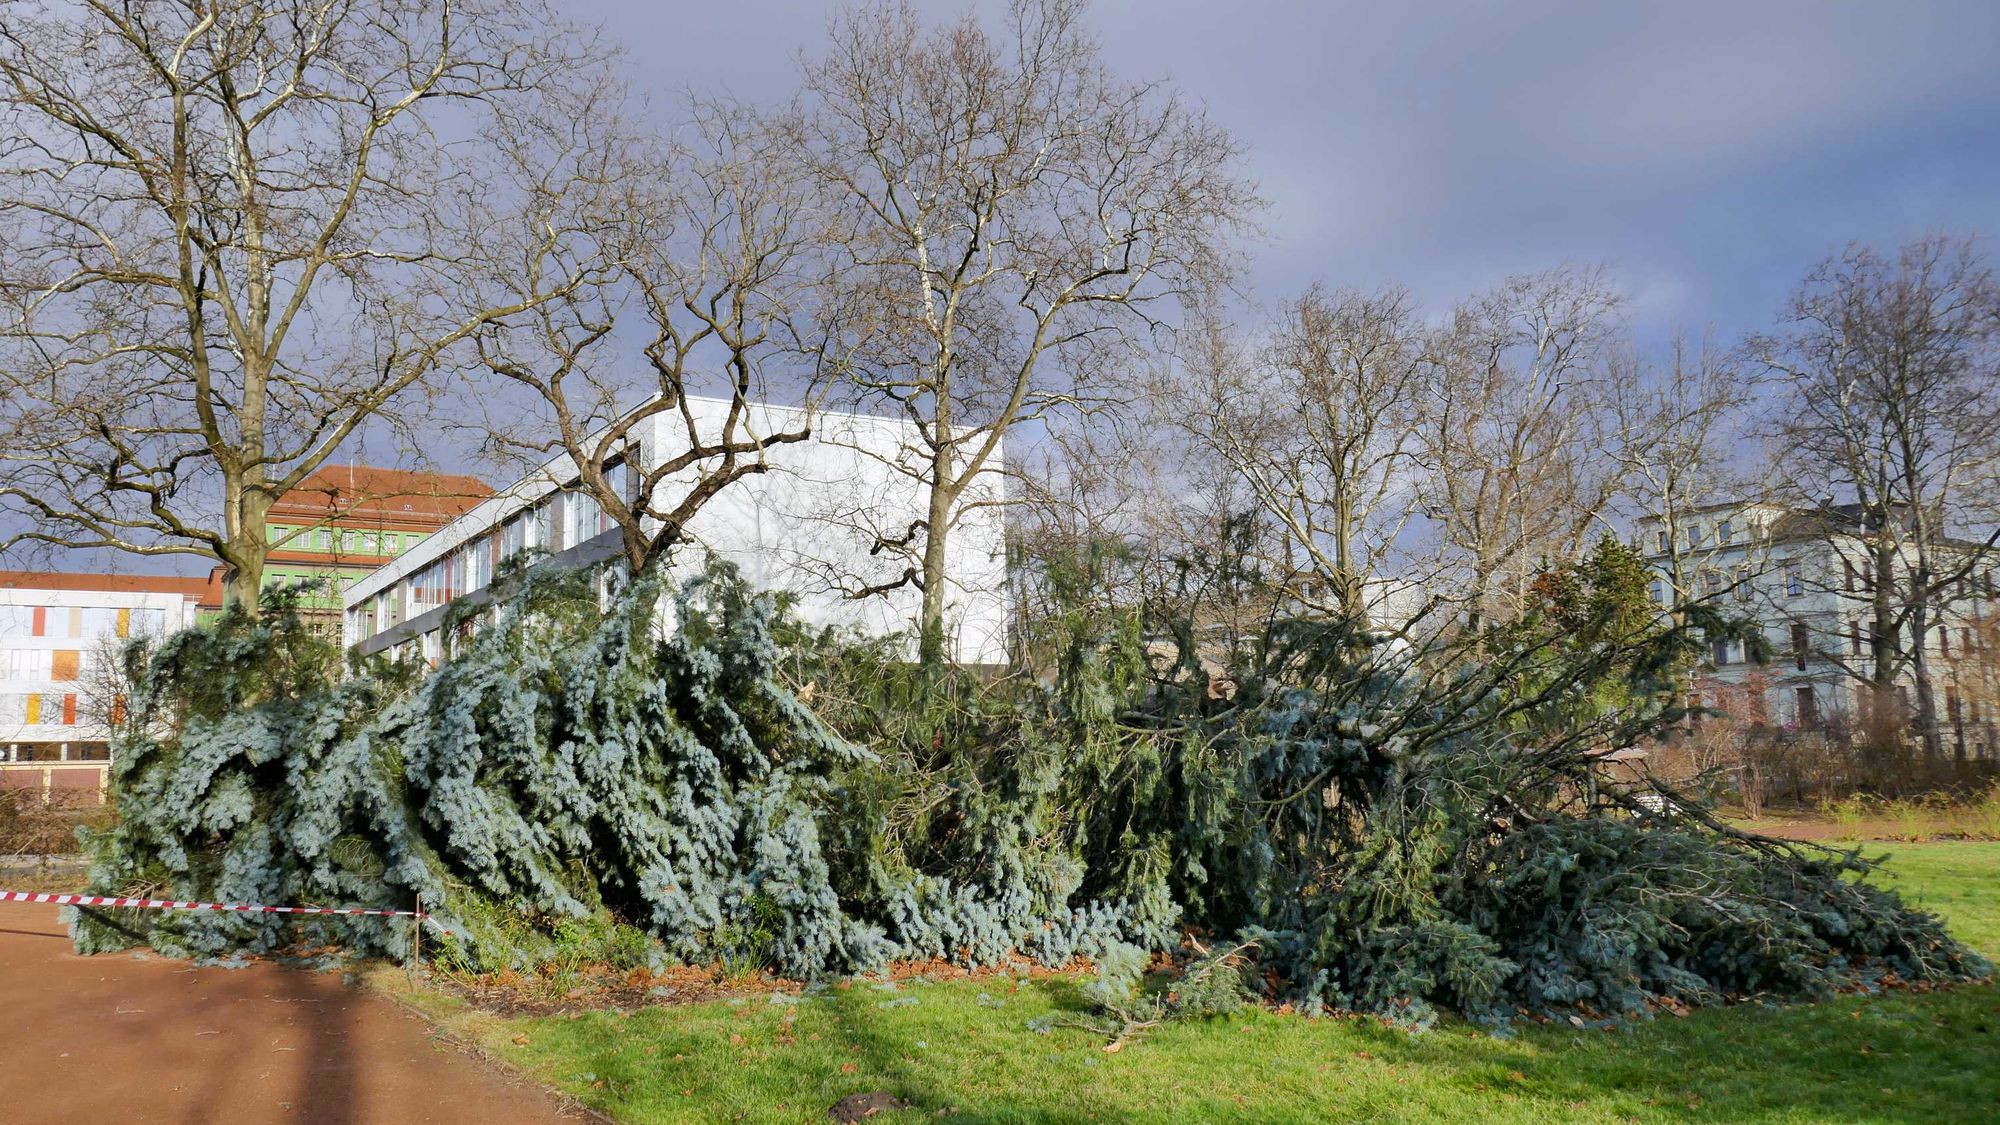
{"x": 1739, "y": 583}
{"x": 345, "y": 540}
{"x": 1857, "y": 580}
{"x": 1860, "y": 579}
{"x": 322, "y": 586}
{"x": 1728, "y": 532}
{"x": 41, "y": 665}
{"x": 56, "y": 752}
{"x": 78, "y": 622}
{"x": 38, "y": 708}
{"x": 558, "y": 522}
{"x": 1857, "y": 577}
{"x": 1859, "y": 636}
{"x": 1963, "y": 717}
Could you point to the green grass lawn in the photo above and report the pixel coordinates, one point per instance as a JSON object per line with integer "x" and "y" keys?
{"x": 961, "y": 1051}
{"x": 1959, "y": 881}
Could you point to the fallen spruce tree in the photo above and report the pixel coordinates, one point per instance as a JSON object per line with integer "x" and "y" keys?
{"x": 1370, "y": 826}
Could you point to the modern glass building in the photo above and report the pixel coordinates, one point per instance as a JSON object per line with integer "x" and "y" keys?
{"x": 814, "y": 525}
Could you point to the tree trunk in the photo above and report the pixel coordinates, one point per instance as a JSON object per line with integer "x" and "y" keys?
{"x": 1920, "y": 665}
{"x": 931, "y": 654}
{"x": 249, "y": 545}
{"x": 1926, "y": 693}
{"x": 1349, "y": 592}
{"x": 1884, "y": 732}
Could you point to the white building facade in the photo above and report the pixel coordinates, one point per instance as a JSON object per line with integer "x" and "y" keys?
{"x": 1807, "y": 591}
{"x": 57, "y": 697}
{"x": 812, "y": 526}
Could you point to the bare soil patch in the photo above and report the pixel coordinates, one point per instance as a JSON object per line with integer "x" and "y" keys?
{"x": 173, "y": 1042}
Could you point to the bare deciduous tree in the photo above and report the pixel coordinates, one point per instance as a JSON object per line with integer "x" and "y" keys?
{"x": 697, "y": 254}
{"x": 232, "y": 232}
{"x": 1513, "y": 433}
{"x": 1673, "y": 427}
{"x": 1889, "y": 425}
{"x": 1322, "y": 425}
{"x": 1008, "y": 217}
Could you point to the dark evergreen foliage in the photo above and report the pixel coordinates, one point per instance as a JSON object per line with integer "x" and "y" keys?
{"x": 1392, "y": 830}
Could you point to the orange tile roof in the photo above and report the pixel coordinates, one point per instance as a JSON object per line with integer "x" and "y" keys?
{"x": 205, "y": 591}
{"x": 367, "y": 494}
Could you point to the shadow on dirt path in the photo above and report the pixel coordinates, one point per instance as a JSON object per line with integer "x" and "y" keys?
{"x": 171, "y": 1042}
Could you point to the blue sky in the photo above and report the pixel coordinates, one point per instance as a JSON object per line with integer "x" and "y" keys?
{"x": 1707, "y": 153}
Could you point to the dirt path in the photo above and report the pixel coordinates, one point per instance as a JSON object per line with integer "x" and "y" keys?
{"x": 114, "y": 1038}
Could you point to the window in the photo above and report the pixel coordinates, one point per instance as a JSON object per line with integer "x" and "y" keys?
{"x": 548, "y": 523}
{"x": 1805, "y": 706}
{"x": 575, "y": 519}
{"x": 102, "y": 621}
{"x": 1853, "y": 579}
{"x": 479, "y": 561}
{"x": 1657, "y": 592}
{"x": 1795, "y": 579}
{"x": 1660, "y": 541}
{"x": 1853, "y": 637}
{"x": 1742, "y": 583}
{"x": 1719, "y": 651}
{"x": 565, "y": 519}
{"x": 1694, "y": 536}
{"x": 625, "y": 480}
{"x": 1725, "y": 532}
{"x": 1801, "y": 644}
{"x": 16, "y": 621}
{"x": 26, "y": 664}
{"x": 1944, "y": 639}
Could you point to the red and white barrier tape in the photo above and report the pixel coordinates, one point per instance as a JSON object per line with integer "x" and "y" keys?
{"x": 169, "y": 904}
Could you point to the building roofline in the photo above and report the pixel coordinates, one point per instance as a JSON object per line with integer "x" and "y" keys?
{"x": 1724, "y": 505}
{"x": 541, "y": 480}
{"x": 101, "y": 583}
{"x": 430, "y": 498}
